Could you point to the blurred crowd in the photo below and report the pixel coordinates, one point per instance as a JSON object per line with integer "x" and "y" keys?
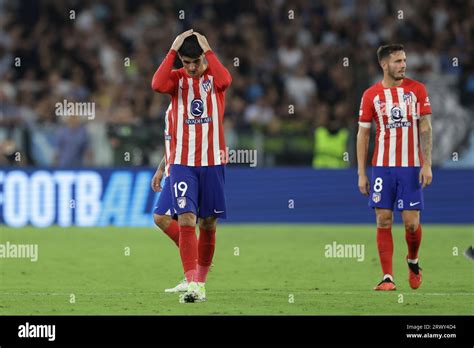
{"x": 299, "y": 70}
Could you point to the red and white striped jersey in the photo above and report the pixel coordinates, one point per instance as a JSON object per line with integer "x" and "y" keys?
{"x": 167, "y": 140}
{"x": 396, "y": 112}
{"x": 196, "y": 125}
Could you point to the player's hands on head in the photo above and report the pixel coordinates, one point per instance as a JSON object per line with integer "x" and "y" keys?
{"x": 180, "y": 39}
{"x": 156, "y": 181}
{"x": 364, "y": 186}
{"x": 426, "y": 176}
{"x": 203, "y": 42}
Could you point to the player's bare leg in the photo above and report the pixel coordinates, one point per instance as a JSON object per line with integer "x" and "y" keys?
{"x": 385, "y": 247}
{"x": 170, "y": 227}
{"x": 411, "y": 220}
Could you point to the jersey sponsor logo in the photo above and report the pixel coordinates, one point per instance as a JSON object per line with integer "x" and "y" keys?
{"x": 197, "y": 107}
{"x": 398, "y": 125}
{"x": 206, "y": 85}
{"x": 396, "y": 113}
{"x": 376, "y": 197}
{"x": 198, "y": 120}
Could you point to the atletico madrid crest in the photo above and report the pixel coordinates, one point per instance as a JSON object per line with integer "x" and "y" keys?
{"x": 206, "y": 85}
{"x": 181, "y": 202}
{"x": 408, "y": 98}
{"x": 376, "y": 197}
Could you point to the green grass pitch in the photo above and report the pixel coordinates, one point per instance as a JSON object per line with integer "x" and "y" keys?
{"x": 258, "y": 270}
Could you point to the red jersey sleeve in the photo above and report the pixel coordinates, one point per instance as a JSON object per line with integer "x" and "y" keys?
{"x": 222, "y": 78}
{"x": 423, "y": 100}
{"x": 366, "y": 111}
{"x": 165, "y": 79}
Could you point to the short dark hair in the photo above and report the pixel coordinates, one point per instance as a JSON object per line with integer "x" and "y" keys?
{"x": 190, "y": 47}
{"x": 386, "y": 50}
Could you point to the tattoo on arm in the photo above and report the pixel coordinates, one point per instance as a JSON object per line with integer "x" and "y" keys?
{"x": 426, "y": 139}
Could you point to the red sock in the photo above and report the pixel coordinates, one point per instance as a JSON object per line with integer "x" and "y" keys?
{"x": 206, "y": 247}
{"x": 385, "y": 247}
{"x": 173, "y": 232}
{"x": 413, "y": 240}
{"x": 188, "y": 251}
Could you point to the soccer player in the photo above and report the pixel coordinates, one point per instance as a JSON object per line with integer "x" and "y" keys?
{"x": 197, "y": 167}
{"x": 163, "y": 214}
{"x": 401, "y": 163}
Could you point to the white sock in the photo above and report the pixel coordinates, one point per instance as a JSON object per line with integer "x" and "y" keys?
{"x": 415, "y": 261}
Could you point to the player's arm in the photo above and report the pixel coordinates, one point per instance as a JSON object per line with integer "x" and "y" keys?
{"x": 222, "y": 77}
{"x": 164, "y": 80}
{"x": 426, "y": 143}
{"x": 363, "y": 137}
{"x": 366, "y": 113}
{"x": 156, "y": 180}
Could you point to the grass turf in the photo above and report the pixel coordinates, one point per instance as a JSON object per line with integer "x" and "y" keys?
{"x": 276, "y": 270}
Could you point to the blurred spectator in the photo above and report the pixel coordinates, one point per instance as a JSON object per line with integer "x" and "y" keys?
{"x": 323, "y": 55}
{"x": 72, "y": 143}
{"x": 330, "y": 140}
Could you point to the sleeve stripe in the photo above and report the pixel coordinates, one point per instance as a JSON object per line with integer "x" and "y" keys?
{"x": 365, "y": 124}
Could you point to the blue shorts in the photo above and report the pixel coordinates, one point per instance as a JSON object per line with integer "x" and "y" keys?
{"x": 396, "y": 186}
{"x": 199, "y": 190}
{"x": 164, "y": 206}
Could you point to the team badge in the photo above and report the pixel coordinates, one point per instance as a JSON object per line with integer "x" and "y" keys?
{"x": 396, "y": 113}
{"x": 206, "y": 85}
{"x": 408, "y": 98}
{"x": 197, "y": 107}
{"x": 181, "y": 202}
{"x": 376, "y": 197}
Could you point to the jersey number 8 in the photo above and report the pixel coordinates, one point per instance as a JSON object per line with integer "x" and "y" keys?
{"x": 378, "y": 184}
